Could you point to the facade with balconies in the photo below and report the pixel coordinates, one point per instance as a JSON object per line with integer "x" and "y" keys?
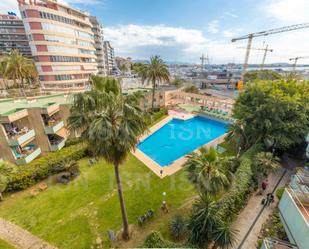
{"x": 33, "y": 127}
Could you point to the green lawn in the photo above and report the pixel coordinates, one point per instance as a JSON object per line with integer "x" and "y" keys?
{"x": 74, "y": 215}
{"x": 5, "y": 245}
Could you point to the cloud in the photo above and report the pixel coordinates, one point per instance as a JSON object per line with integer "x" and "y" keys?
{"x": 230, "y": 14}
{"x": 172, "y": 43}
{"x": 230, "y": 33}
{"x": 213, "y": 26}
{"x": 287, "y": 11}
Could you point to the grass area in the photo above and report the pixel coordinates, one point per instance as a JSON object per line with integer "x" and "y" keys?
{"x": 74, "y": 215}
{"x": 5, "y": 245}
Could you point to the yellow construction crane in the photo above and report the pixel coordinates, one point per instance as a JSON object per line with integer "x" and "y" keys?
{"x": 261, "y": 49}
{"x": 296, "y": 59}
{"x": 249, "y": 37}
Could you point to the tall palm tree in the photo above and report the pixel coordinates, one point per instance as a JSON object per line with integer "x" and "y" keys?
{"x": 18, "y": 68}
{"x": 155, "y": 72}
{"x": 208, "y": 171}
{"x": 111, "y": 124}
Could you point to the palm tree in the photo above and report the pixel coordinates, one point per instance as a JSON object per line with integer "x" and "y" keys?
{"x": 224, "y": 236}
{"x": 205, "y": 226}
{"x": 266, "y": 162}
{"x": 18, "y": 68}
{"x": 208, "y": 171}
{"x": 111, "y": 124}
{"x": 155, "y": 72}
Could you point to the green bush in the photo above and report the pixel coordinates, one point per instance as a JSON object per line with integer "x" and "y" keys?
{"x": 155, "y": 240}
{"x": 279, "y": 192}
{"x": 235, "y": 199}
{"x": 177, "y": 227}
{"x": 157, "y": 115}
{"x": 51, "y": 163}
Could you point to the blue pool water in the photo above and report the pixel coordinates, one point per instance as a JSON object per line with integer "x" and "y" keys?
{"x": 177, "y": 138}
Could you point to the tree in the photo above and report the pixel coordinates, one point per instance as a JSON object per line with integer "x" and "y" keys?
{"x": 264, "y": 74}
{"x": 177, "y": 82}
{"x": 6, "y": 172}
{"x": 206, "y": 227}
{"x": 208, "y": 172}
{"x": 111, "y": 124}
{"x": 275, "y": 111}
{"x": 191, "y": 89}
{"x": 18, "y": 68}
{"x": 155, "y": 72}
{"x": 266, "y": 162}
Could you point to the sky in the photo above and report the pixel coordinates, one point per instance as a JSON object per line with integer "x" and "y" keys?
{"x": 183, "y": 30}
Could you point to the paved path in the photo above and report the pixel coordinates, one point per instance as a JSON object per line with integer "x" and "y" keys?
{"x": 248, "y": 230}
{"x": 21, "y": 238}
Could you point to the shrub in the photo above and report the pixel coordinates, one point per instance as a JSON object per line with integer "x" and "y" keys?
{"x": 158, "y": 114}
{"x": 235, "y": 199}
{"x": 177, "y": 227}
{"x": 279, "y": 192}
{"x": 51, "y": 163}
{"x": 155, "y": 240}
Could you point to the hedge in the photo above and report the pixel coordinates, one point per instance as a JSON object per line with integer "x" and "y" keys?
{"x": 39, "y": 169}
{"x": 235, "y": 199}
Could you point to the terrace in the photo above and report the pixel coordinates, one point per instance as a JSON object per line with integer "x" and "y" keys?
{"x": 26, "y": 154}
{"x": 294, "y": 209}
{"x": 52, "y": 123}
{"x": 56, "y": 142}
{"x": 19, "y": 132}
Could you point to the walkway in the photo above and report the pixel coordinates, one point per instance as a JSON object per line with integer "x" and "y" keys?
{"x": 21, "y": 238}
{"x": 253, "y": 216}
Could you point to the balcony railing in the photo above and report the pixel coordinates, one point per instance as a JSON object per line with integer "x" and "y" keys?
{"x": 21, "y": 138}
{"x": 53, "y": 128}
{"x": 271, "y": 243}
{"x": 58, "y": 146}
{"x": 29, "y": 157}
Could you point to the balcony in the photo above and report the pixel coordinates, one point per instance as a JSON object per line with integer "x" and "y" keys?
{"x": 270, "y": 243}
{"x": 57, "y": 146}
{"x": 53, "y": 127}
{"x": 21, "y": 138}
{"x": 294, "y": 212}
{"x": 27, "y": 158}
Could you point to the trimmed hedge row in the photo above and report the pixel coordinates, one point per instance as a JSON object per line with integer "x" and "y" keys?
{"x": 41, "y": 168}
{"x": 235, "y": 199}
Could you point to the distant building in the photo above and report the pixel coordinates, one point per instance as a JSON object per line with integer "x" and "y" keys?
{"x": 62, "y": 44}
{"x": 97, "y": 30}
{"x": 124, "y": 64}
{"x": 109, "y": 57}
{"x": 13, "y": 35}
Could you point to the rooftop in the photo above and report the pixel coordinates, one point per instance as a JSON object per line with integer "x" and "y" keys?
{"x": 9, "y": 106}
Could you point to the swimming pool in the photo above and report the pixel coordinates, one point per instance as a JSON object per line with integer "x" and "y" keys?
{"x": 179, "y": 137}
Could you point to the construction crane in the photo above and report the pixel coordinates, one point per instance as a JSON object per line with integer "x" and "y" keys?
{"x": 296, "y": 59}
{"x": 203, "y": 59}
{"x": 250, "y": 37}
{"x": 261, "y": 49}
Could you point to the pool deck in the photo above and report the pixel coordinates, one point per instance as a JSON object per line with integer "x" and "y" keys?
{"x": 176, "y": 165}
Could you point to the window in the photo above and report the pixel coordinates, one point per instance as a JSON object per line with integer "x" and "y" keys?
{"x": 65, "y": 68}
{"x": 85, "y": 51}
{"x": 57, "y": 28}
{"x": 62, "y": 49}
{"x": 64, "y": 59}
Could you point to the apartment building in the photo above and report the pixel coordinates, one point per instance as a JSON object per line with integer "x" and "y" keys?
{"x": 97, "y": 30}
{"x": 62, "y": 44}
{"x": 33, "y": 126}
{"x": 13, "y": 35}
{"x": 109, "y": 57}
